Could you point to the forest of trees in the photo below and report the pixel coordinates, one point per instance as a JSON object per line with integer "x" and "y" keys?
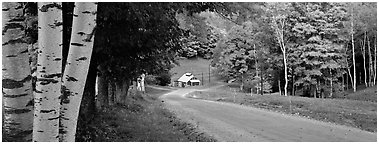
{"x": 319, "y": 49}
{"x": 55, "y": 54}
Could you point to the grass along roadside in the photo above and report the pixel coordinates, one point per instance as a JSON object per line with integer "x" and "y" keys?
{"x": 354, "y": 113}
{"x": 142, "y": 119}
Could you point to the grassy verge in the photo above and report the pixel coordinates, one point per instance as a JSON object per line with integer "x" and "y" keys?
{"x": 355, "y": 113}
{"x": 142, "y": 119}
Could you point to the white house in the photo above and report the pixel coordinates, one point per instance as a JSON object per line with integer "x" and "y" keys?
{"x": 187, "y": 79}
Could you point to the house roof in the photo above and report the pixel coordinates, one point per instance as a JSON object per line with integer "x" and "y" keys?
{"x": 185, "y": 77}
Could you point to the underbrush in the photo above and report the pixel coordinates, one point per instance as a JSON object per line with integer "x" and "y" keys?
{"x": 142, "y": 119}
{"x": 354, "y": 113}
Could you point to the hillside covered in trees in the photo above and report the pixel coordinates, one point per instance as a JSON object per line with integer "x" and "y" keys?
{"x": 64, "y": 62}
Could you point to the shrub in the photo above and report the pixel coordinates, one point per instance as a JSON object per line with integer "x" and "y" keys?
{"x": 151, "y": 79}
{"x": 164, "y": 78}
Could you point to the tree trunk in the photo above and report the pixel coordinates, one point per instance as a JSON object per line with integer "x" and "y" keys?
{"x": 102, "y": 95}
{"x": 77, "y": 66}
{"x": 285, "y": 72}
{"x": 331, "y": 84}
{"x": 143, "y": 82}
{"x": 280, "y": 90}
{"x": 343, "y": 82}
{"x": 293, "y": 81}
{"x": 364, "y": 58}
{"x": 111, "y": 92}
{"x": 370, "y": 64}
{"x": 119, "y": 91}
{"x": 88, "y": 104}
{"x": 125, "y": 87}
{"x": 354, "y": 67}
{"x": 49, "y": 73}
{"x": 16, "y": 76}
{"x": 241, "y": 86}
{"x": 262, "y": 81}
{"x": 375, "y": 63}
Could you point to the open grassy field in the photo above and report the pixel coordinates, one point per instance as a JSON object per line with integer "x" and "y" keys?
{"x": 353, "y": 111}
{"x": 142, "y": 119}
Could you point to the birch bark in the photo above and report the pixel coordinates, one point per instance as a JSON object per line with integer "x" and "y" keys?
{"x": 49, "y": 73}
{"x": 353, "y": 49}
{"x": 364, "y": 58}
{"x": 77, "y": 66}
{"x": 370, "y": 71}
{"x": 16, "y": 76}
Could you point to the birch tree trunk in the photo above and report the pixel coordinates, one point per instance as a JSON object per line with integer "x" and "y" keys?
{"x": 364, "y": 58}
{"x": 279, "y": 32}
{"x": 49, "y": 73}
{"x": 370, "y": 83}
{"x": 143, "y": 82}
{"x": 375, "y": 62}
{"x": 331, "y": 84}
{"x": 353, "y": 49}
{"x": 77, "y": 66}
{"x": 16, "y": 76}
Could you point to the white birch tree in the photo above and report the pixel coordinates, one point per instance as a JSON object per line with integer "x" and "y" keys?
{"x": 49, "y": 73}
{"x": 77, "y": 66}
{"x": 16, "y": 75}
{"x": 280, "y": 13}
{"x": 363, "y": 49}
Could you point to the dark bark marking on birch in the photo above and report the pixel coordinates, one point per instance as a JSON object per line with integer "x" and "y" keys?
{"x": 13, "y": 26}
{"x": 45, "y": 81}
{"x": 45, "y": 8}
{"x": 81, "y": 33}
{"x": 30, "y": 103}
{"x": 64, "y": 97}
{"x": 57, "y": 59}
{"x": 16, "y": 111}
{"x": 46, "y": 111}
{"x": 71, "y": 78}
{"x": 82, "y": 58}
{"x": 37, "y": 91}
{"x": 57, "y": 24}
{"x": 6, "y": 9}
{"x": 75, "y": 15}
{"x": 17, "y": 19}
{"x": 77, "y": 44}
{"x": 11, "y": 56}
{"x": 15, "y": 96}
{"x": 25, "y": 51}
{"x": 53, "y": 118}
{"x": 53, "y": 75}
{"x": 11, "y": 84}
{"x": 14, "y": 41}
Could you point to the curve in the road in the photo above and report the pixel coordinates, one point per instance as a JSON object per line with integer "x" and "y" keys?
{"x": 231, "y": 122}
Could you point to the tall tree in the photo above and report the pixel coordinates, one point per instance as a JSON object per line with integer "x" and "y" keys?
{"x": 317, "y": 29}
{"x": 16, "y": 76}
{"x": 363, "y": 49}
{"x": 77, "y": 66}
{"x": 49, "y": 73}
{"x": 279, "y": 13}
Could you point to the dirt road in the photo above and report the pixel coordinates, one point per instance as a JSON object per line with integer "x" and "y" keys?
{"x": 231, "y": 122}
